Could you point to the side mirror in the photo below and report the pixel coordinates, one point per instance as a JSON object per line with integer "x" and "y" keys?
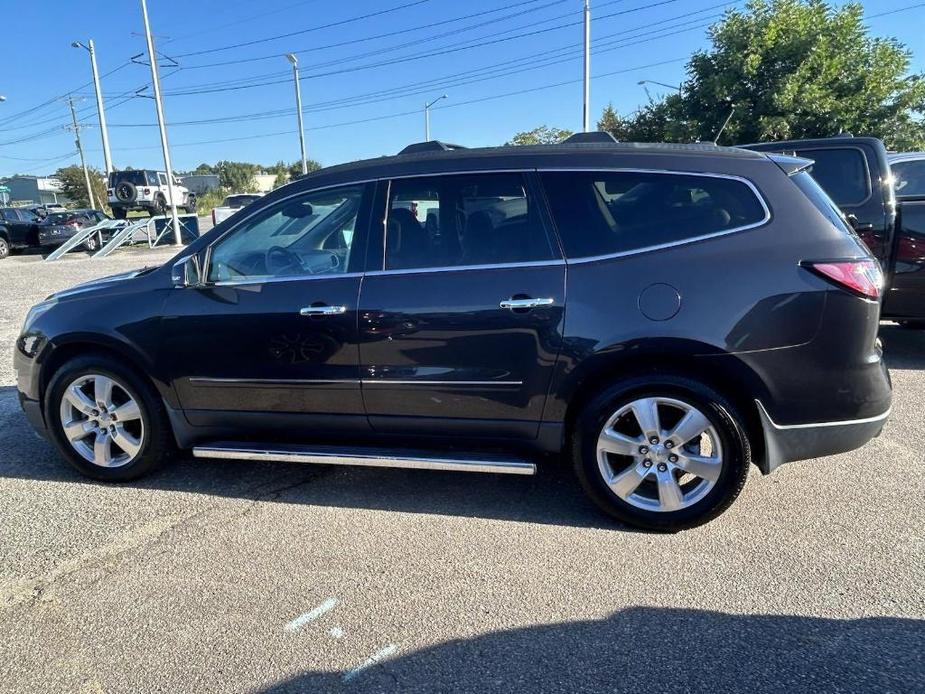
{"x": 187, "y": 272}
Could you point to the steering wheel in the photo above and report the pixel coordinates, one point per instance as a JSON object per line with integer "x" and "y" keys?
{"x": 282, "y": 261}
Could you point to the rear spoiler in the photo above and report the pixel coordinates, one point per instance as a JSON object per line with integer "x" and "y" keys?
{"x": 789, "y": 163}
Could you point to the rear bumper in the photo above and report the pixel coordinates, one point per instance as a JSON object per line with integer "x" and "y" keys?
{"x": 786, "y": 443}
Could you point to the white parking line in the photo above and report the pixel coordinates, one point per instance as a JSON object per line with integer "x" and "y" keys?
{"x": 374, "y": 659}
{"x": 336, "y": 633}
{"x": 311, "y": 615}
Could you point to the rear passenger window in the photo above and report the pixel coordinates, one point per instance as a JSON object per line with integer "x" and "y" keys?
{"x": 842, "y": 173}
{"x": 466, "y": 219}
{"x": 598, "y": 213}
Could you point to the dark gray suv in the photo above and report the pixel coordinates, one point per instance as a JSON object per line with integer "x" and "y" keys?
{"x": 663, "y": 316}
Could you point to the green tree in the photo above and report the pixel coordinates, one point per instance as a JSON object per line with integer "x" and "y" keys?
{"x": 295, "y": 168}
{"x": 74, "y": 186}
{"x": 236, "y": 176}
{"x": 790, "y": 69}
{"x": 542, "y": 135}
{"x": 204, "y": 169}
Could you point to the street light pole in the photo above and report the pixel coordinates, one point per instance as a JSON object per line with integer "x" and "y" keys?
{"x": 427, "y": 116}
{"x": 298, "y": 107}
{"x": 586, "y": 109}
{"x": 677, "y": 88}
{"x": 156, "y": 84}
{"x": 107, "y": 155}
{"x": 80, "y": 150}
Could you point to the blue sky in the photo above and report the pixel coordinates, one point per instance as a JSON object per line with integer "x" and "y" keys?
{"x": 363, "y": 97}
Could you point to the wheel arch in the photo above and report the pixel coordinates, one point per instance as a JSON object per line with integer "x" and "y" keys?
{"x": 723, "y": 372}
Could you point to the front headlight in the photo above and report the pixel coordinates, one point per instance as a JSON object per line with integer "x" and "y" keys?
{"x": 37, "y": 311}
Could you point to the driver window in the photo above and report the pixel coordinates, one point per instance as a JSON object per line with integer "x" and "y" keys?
{"x": 308, "y": 235}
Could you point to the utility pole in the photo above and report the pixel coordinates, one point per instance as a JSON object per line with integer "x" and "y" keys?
{"x": 107, "y": 155}
{"x": 586, "y": 109}
{"x": 80, "y": 150}
{"x": 427, "y": 116}
{"x": 291, "y": 57}
{"x": 156, "y": 84}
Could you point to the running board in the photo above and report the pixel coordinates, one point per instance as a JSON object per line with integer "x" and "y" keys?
{"x": 367, "y": 457}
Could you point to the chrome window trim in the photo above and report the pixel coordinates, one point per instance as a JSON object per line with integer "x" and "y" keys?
{"x": 288, "y": 278}
{"x": 814, "y": 425}
{"x": 682, "y": 242}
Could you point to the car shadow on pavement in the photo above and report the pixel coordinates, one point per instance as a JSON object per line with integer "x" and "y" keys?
{"x": 550, "y": 497}
{"x": 646, "y": 649}
{"x": 903, "y": 348}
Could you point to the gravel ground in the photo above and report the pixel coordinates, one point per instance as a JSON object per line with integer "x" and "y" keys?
{"x": 220, "y": 576}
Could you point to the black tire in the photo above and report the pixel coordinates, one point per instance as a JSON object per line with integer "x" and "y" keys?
{"x": 912, "y": 324}
{"x": 92, "y": 244}
{"x": 157, "y": 443}
{"x": 160, "y": 207}
{"x": 119, "y": 212}
{"x": 722, "y": 415}
{"x": 4, "y": 248}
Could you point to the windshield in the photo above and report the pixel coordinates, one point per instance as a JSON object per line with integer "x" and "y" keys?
{"x": 58, "y": 218}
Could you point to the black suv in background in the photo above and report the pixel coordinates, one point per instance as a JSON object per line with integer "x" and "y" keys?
{"x": 664, "y": 315}
{"x": 856, "y": 173}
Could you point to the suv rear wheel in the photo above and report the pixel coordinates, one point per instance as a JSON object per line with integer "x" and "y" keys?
{"x": 4, "y": 248}
{"x": 663, "y": 453}
{"x": 106, "y": 420}
{"x": 160, "y": 206}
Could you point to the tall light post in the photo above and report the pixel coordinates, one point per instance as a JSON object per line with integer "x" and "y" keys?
{"x": 80, "y": 150}
{"x": 586, "y": 106}
{"x": 298, "y": 107}
{"x": 156, "y": 84}
{"x": 427, "y": 116}
{"x": 107, "y": 155}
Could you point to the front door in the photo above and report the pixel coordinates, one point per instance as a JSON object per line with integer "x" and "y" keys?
{"x": 270, "y": 338}
{"x": 461, "y": 328}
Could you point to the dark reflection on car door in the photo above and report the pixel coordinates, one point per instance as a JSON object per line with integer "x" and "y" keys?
{"x": 465, "y": 321}
{"x": 273, "y": 331}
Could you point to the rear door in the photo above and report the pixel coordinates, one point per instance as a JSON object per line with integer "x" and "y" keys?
{"x": 461, "y": 327}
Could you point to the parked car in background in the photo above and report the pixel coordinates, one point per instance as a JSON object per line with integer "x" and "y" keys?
{"x": 58, "y": 227}
{"x": 856, "y": 173}
{"x": 908, "y": 174}
{"x": 232, "y": 204}
{"x": 18, "y": 230}
{"x": 148, "y": 191}
{"x": 663, "y": 315}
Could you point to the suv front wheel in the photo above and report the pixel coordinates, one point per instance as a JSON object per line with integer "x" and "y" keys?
{"x": 663, "y": 453}
{"x": 106, "y": 420}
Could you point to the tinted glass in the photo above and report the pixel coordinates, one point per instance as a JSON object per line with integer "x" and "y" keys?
{"x": 909, "y": 177}
{"x": 309, "y": 235}
{"x": 598, "y": 213}
{"x": 842, "y": 173}
{"x": 10, "y": 215}
{"x": 137, "y": 178}
{"x": 821, "y": 200}
{"x": 470, "y": 219}
{"x": 236, "y": 201}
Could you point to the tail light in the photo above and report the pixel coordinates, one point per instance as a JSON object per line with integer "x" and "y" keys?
{"x": 147, "y": 191}
{"x": 862, "y": 277}
{"x": 109, "y": 191}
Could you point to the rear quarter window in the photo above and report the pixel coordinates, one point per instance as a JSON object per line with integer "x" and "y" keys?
{"x": 909, "y": 177}
{"x": 606, "y": 212}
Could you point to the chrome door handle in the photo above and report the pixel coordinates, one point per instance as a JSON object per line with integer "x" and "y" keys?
{"x": 323, "y": 310}
{"x": 526, "y": 303}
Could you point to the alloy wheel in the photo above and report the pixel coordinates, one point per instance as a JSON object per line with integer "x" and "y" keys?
{"x": 102, "y": 421}
{"x": 659, "y": 454}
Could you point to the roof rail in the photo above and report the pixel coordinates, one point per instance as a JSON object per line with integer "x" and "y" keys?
{"x": 599, "y": 136}
{"x": 430, "y": 146}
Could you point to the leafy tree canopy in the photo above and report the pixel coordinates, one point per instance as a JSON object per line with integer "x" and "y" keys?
{"x": 791, "y": 69}
{"x": 74, "y": 186}
{"x": 542, "y": 135}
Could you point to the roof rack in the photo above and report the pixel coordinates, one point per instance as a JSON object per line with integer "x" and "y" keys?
{"x": 599, "y": 136}
{"x": 430, "y": 146}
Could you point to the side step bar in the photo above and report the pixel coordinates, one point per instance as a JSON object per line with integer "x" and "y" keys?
{"x": 367, "y": 457}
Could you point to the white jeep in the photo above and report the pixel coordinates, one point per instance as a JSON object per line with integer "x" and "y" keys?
{"x": 146, "y": 190}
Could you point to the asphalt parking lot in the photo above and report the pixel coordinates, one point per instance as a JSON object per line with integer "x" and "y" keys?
{"x": 223, "y": 576}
